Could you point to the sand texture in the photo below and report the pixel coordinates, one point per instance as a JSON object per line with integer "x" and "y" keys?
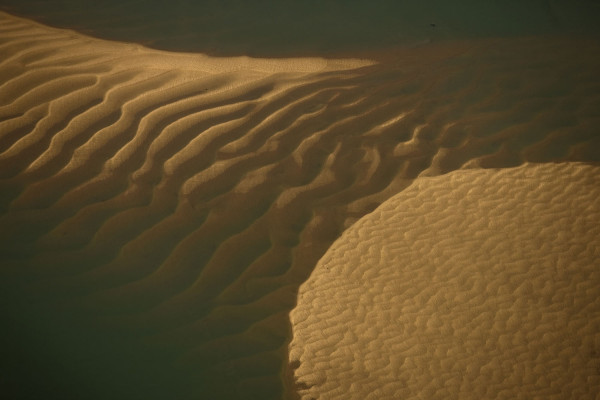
{"x": 159, "y": 211}
{"x": 481, "y": 284}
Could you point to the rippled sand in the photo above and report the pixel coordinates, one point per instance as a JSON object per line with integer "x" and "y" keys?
{"x": 159, "y": 211}
{"x": 480, "y": 284}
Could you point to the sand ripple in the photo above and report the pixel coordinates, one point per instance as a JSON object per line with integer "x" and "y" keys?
{"x": 171, "y": 205}
{"x": 480, "y": 284}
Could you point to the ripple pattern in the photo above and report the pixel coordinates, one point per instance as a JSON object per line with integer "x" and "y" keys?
{"x": 159, "y": 211}
{"x": 481, "y": 284}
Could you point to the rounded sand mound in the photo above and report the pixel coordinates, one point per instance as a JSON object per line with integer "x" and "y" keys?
{"x": 480, "y": 284}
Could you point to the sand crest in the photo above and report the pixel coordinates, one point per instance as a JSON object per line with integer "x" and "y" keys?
{"x": 481, "y": 284}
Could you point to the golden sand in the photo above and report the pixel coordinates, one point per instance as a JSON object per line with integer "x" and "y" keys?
{"x": 180, "y": 200}
{"x": 480, "y": 284}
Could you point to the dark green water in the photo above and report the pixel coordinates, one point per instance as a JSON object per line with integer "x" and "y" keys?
{"x": 293, "y": 27}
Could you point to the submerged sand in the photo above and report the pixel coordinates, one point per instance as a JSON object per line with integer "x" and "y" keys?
{"x": 159, "y": 211}
{"x": 480, "y": 284}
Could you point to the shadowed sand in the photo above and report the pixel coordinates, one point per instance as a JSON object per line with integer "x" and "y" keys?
{"x": 273, "y": 28}
{"x": 481, "y": 284}
{"x": 159, "y": 211}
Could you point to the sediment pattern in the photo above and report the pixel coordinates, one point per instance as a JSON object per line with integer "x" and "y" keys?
{"x": 481, "y": 284}
{"x": 171, "y": 205}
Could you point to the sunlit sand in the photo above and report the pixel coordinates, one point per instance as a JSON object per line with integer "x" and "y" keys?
{"x": 481, "y": 284}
